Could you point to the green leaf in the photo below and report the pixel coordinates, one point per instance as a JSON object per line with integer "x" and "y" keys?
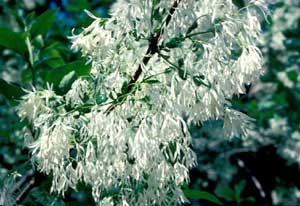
{"x": 145, "y": 99}
{"x": 112, "y": 95}
{"x": 292, "y": 43}
{"x": 124, "y": 88}
{"x": 26, "y": 75}
{"x": 38, "y": 42}
{"x": 43, "y": 23}
{"x": 10, "y": 91}
{"x": 239, "y": 3}
{"x": 182, "y": 74}
{"x": 226, "y": 193}
{"x": 13, "y": 40}
{"x": 55, "y": 75}
{"x": 198, "y": 80}
{"x": 174, "y": 42}
{"x": 156, "y": 2}
{"x": 170, "y": 69}
{"x": 293, "y": 75}
{"x": 250, "y": 199}
{"x": 198, "y": 49}
{"x": 280, "y": 99}
{"x": 236, "y": 51}
{"x": 101, "y": 99}
{"x": 202, "y": 195}
{"x": 67, "y": 81}
{"x": 52, "y": 56}
{"x": 78, "y": 5}
{"x": 180, "y": 62}
{"x": 240, "y": 187}
{"x": 151, "y": 81}
{"x": 51, "y": 62}
{"x": 156, "y": 14}
{"x": 192, "y": 27}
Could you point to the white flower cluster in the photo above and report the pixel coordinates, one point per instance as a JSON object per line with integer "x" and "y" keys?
{"x": 157, "y": 67}
{"x": 77, "y": 93}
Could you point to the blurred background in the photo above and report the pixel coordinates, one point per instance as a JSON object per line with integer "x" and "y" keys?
{"x": 261, "y": 170}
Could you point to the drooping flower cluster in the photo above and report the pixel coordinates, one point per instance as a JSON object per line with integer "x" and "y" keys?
{"x": 157, "y": 67}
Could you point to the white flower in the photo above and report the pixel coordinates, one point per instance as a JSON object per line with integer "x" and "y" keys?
{"x": 237, "y": 124}
{"x": 78, "y": 92}
{"x": 107, "y": 201}
{"x": 36, "y": 103}
{"x": 278, "y": 126}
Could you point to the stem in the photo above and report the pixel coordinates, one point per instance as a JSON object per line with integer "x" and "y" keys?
{"x": 31, "y": 61}
{"x": 152, "y": 49}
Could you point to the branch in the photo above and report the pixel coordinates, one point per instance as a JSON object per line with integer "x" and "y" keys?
{"x": 25, "y": 178}
{"x": 26, "y": 190}
{"x": 23, "y": 186}
{"x": 152, "y": 49}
